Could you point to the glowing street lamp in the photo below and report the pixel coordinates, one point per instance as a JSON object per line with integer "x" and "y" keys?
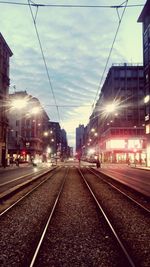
{"x": 110, "y": 108}
{"x": 48, "y": 150}
{"x": 147, "y": 99}
{"x": 35, "y": 110}
{"x": 91, "y": 151}
{"x": 45, "y": 133}
{"x": 19, "y": 103}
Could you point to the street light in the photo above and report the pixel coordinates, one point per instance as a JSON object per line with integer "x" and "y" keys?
{"x": 45, "y": 133}
{"x": 147, "y": 99}
{"x": 110, "y": 108}
{"x": 19, "y": 103}
{"x": 35, "y": 110}
{"x": 48, "y": 150}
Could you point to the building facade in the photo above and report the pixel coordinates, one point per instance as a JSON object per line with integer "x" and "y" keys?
{"x": 119, "y": 116}
{"x": 79, "y": 139}
{"x": 27, "y": 122}
{"x": 64, "y": 144}
{"x": 55, "y": 139}
{"x": 5, "y": 54}
{"x": 145, "y": 19}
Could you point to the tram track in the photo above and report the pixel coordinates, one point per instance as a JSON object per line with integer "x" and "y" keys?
{"x": 60, "y": 224}
{"x": 55, "y": 238}
{"x": 48, "y": 221}
{"x": 124, "y": 192}
{"x": 22, "y": 224}
{"x": 129, "y": 218}
{"x": 123, "y": 248}
{"x": 10, "y": 197}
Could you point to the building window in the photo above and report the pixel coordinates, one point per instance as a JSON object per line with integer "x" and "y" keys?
{"x": 17, "y": 122}
{"x": 141, "y": 73}
{"x": 28, "y": 122}
{"x": 122, "y": 73}
{"x": 129, "y": 118}
{"x": 147, "y": 128}
{"x": 129, "y": 73}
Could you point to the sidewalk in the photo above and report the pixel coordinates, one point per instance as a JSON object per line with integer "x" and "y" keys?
{"x": 138, "y": 166}
{"x": 124, "y": 165}
{"x": 10, "y": 167}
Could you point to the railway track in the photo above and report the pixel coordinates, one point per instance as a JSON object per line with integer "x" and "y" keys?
{"x": 66, "y": 221}
{"x": 130, "y": 218}
{"x": 127, "y": 195}
{"x": 23, "y": 222}
{"x": 46, "y": 249}
{"x": 26, "y": 185}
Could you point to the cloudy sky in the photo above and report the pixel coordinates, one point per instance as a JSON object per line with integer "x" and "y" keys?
{"x": 76, "y": 43}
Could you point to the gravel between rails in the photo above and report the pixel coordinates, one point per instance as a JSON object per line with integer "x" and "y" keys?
{"x": 21, "y": 226}
{"x": 132, "y": 222}
{"x": 77, "y": 235}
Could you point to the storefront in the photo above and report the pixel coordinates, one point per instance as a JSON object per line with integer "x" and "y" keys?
{"x": 124, "y": 151}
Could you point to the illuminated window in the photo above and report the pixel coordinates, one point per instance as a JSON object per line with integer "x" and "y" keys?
{"x": 112, "y": 144}
{"x": 134, "y": 143}
{"x": 147, "y": 128}
{"x": 146, "y": 99}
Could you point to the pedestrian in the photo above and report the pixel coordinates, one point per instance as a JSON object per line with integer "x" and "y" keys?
{"x": 11, "y": 161}
{"x": 128, "y": 162}
{"x": 17, "y": 162}
{"x": 98, "y": 164}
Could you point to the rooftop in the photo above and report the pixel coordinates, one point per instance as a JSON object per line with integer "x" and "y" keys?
{"x": 145, "y": 11}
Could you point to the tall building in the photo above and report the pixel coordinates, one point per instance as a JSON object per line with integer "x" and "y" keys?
{"x": 27, "y": 122}
{"x": 79, "y": 138}
{"x": 5, "y": 54}
{"x": 118, "y": 117}
{"x": 55, "y": 138}
{"x": 145, "y": 19}
{"x": 64, "y": 144}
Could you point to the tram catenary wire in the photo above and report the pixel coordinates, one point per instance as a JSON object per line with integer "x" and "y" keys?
{"x": 71, "y": 6}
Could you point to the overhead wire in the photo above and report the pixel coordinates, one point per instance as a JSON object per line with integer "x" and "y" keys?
{"x": 109, "y": 54}
{"x": 66, "y": 106}
{"x": 37, "y": 5}
{"x": 70, "y": 6}
{"x": 44, "y": 60}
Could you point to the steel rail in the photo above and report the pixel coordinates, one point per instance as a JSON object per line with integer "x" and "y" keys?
{"x": 120, "y": 191}
{"x": 128, "y": 257}
{"x": 29, "y": 192}
{"x": 131, "y": 185}
{"x": 48, "y": 221}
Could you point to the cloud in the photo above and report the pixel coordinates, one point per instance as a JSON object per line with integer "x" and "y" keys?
{"x": 76, "y": 43}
